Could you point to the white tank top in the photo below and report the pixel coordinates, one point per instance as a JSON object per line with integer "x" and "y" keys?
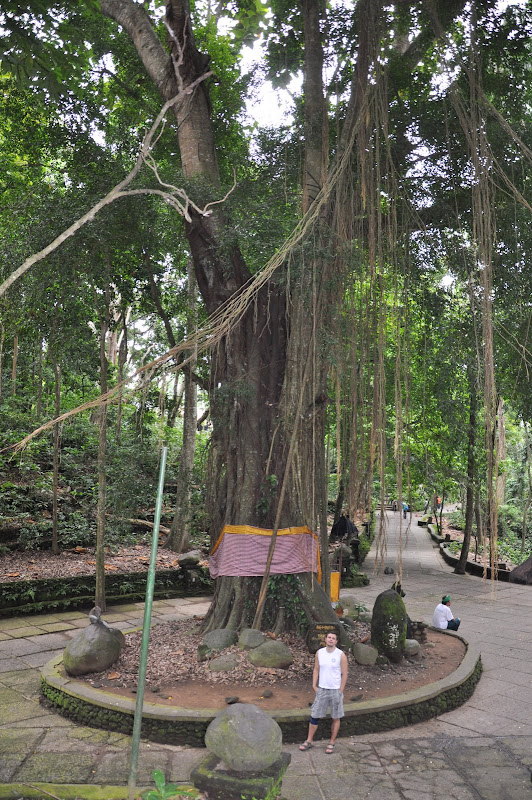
{"x": 330, "y": 668}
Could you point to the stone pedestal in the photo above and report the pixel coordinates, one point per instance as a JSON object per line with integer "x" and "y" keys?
{"x": 220, "y": 783}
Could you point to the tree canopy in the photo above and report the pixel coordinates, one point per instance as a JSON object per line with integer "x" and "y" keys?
{"x": 361, "y": 268}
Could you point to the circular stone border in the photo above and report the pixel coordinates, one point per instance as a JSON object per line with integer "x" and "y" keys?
{"x": 98, "y": 708}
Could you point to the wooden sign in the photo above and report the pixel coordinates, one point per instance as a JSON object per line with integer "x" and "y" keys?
{"x": 317, "y": 632}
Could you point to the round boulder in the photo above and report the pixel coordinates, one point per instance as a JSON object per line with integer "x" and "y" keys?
{"x": 191, "y": 559}
{"x": 412, "y": 647}
{"x": 224, "y": 663}
{"x": 365, "y": 654}
{"x": 388, "y": 625}
{"x": 93, "y": 649}
{"x": 219, "y": 639}
{"x": 245, "y": 738}
{"x": 250, "y": 638}
{"x": 273, "y": 654}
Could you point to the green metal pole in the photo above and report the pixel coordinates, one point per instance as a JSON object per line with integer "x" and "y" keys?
{"x": 137, "y": 722}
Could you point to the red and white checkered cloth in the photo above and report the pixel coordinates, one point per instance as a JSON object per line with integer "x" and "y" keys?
{"x": 243, "y": 550}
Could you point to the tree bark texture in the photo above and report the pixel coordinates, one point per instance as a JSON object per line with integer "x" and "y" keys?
{"x": 102, "y": 452}
{"x": 178, "y": 539}
{"x": 55, "y": 479}
{"x": 470, "y": 490}
{"x": 260, "y": 369}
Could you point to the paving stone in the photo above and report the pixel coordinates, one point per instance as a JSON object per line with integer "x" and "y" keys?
{"x": 436, "y": 785}
{"x": 4, "y": 637}
{"x": 183, "y": 762}
{"x": 51, "y": 627}
{"x": 17, "y": 742}
{"x": 50, "y": 641}
{"x": 72, "y": 615}
{"x": 114, "y": 767}
{"x": 520, "y": 747}
{"x": 19, "y": 647}
{"x": 8, "y": 696}
{"x": 42, "y": 619}
{"x": 12, "y": 622}
{"x": 8, "y": 767}
{"x": 39, "y": 659}
{"x": 21, "y": 709}
{"x": 302, "y": 787}
{"x": 20, "y": 678}
{"x": 49, "y": 768}
{"x": 10, "y": 665}
{"x": 80, "y": 740}
{"x": 22, "y": 633}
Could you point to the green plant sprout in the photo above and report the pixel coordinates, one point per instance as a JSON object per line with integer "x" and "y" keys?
{"x": 166, "y": 791}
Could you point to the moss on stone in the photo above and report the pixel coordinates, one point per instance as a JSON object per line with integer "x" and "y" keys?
{"x": 192, "y": 731}
{"x": 388, "y": 625}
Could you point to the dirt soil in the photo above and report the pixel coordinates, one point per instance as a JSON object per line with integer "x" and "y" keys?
{"x": 39, "y": 564}
{"x": 176, "y": 678}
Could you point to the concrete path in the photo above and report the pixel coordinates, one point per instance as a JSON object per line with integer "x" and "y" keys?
{"x": 481, "y": 751}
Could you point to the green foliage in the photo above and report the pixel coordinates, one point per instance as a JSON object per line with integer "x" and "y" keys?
{"x": 166, "y": 791}
{"x": 282, "y": 592}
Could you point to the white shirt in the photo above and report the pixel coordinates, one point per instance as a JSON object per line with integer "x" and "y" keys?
{"x": 442, "y": 615}
{"x": 330, "y": 668}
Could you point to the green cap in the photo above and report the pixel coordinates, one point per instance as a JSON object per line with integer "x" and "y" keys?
{"x": 446, "y": 599}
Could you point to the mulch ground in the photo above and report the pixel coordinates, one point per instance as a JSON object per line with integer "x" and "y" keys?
{"x": 176, "y": 677}
{"x": 33, "y": 565}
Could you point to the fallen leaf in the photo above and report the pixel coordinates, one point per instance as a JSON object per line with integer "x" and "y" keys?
{"x": 113, "y": 675}
{"x": 12, "y": 574}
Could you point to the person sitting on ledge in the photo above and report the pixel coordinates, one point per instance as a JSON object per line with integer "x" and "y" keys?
{"x": 443, "y": 616}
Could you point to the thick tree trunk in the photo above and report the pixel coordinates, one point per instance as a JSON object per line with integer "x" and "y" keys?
{"x": 55, "y": 479}
{"x": 102, "y": 452}
{"x": 2, "y": 335}
{"x": 179, "y": 537}
{"x": 260, "y": 369}
{"x": 122, "y": 359}
{"x": 469, "y": 506}
{"x": 528, "y": 498}
{"x": 14, "y": 366}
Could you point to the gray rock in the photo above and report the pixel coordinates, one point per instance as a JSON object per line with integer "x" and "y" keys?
{"x": 267, "y": 693}
{"x": 245, "y": 738}
{"x": 272, "y": 654}
{"x": 347, "y": 622}
{"x": 412, "y": 647}
{"x": 365, "y": 654}
{"x": 231, "y": 700}
{"x": 250, "y": 638}
{"x": 224, "y": 663}
{"x": 191, "y": 559}
{"x": 388, "y": 625}
{"x": 93, "y": 649}
{"x": 219, "y": 639}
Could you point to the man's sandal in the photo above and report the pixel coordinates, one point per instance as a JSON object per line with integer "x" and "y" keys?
{"x": 330, "y": 748}
{"x": 305, "y": 746}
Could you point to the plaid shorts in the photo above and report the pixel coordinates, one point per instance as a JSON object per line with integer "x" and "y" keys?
{"x": 326, "y": 698}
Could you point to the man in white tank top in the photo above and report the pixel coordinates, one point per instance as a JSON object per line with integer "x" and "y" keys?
{"x": 328, "y": 681}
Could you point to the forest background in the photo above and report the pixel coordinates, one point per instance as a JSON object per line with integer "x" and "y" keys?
{"x": 333, "y": 308}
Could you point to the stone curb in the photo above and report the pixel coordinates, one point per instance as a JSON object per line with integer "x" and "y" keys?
{"x": 81, "y": 702}
{"x": 66, "y": 791}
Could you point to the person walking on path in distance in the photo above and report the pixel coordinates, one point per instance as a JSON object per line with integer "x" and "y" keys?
{"x": 328, "y": 681}
{"x": 443, "y": 616}
{"x": 405, "y": 509}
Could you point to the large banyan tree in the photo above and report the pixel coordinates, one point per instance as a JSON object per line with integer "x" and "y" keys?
{"x": 401, "y": 74}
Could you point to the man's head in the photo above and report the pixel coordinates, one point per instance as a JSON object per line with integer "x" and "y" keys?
{"x": 331, "y": 639}
{"x": 446, "y": 599}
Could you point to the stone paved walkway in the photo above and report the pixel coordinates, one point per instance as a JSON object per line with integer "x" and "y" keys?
{"x": 481, "y": 751}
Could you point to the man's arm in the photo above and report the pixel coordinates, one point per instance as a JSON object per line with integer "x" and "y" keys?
{"x": 316, "y": 673}
{"x": 343, "y": 667}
